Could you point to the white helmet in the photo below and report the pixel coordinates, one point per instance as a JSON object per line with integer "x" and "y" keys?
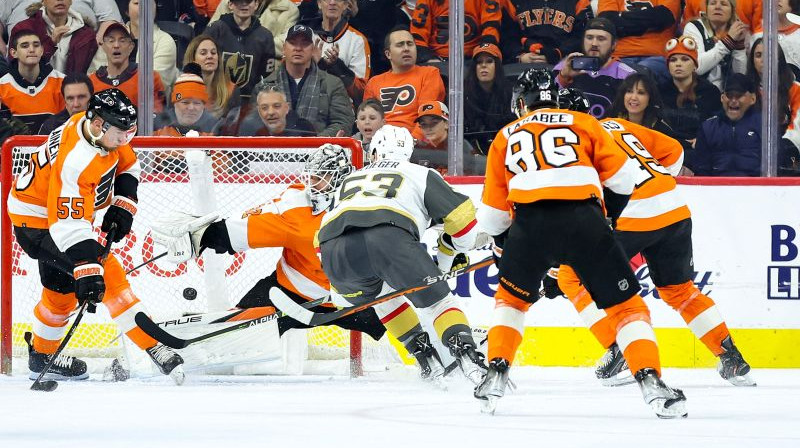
{"x": 324, "y": 171}
{"x": 391, "y": 143}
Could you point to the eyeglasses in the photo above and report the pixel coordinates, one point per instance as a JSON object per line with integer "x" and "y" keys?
{"x": 121, "y": 40}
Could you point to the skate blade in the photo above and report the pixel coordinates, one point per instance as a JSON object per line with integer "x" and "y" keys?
{"x": 178, "y": 375}
{"x": 620, "y": 379}
{"x": 742, "y": 381}
{"x": 50, "y": 376}
{"x": 675, "y": 410}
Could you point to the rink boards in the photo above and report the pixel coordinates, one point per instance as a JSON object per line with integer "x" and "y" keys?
{"x": 746, "y": 238}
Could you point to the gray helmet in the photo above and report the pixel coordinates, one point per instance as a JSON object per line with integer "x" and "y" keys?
{"x": 323, "y": 173}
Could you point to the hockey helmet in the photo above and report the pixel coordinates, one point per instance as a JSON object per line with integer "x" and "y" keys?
{"x": 391, "y": 143}
{"x": 115, "y": 108}
{"x": 534, "y": 88}
{"x": 324, "y": 171}
{"x": 573, "y": 99}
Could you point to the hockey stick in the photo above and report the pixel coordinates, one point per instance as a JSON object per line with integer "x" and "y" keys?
{"x": 157, "y": 332}
{"x": 144, "y": 263}
{"x": 51, "y": 385}
{"x": 299, "y": 313}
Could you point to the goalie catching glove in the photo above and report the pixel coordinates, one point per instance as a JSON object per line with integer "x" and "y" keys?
{"x": 182, "y": 234}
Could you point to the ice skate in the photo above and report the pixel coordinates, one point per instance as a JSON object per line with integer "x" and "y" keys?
{"x": 64, "y": 368}
{"x": 493, "y": 385}
{"x": 732, "y": 365}
{"x": 428, "y": 360}
{"x": 169, "y": 362}
{"x": 612, "y": 369}
{"x": 471, "y": 361}
{"x": 665, "y": 401}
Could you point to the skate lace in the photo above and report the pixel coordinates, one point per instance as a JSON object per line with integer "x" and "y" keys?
{"x": 161, "y": 353}
{"x": 63, "y": 361}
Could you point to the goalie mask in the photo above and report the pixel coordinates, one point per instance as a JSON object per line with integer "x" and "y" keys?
{"x": 324, "y": 171}
{"x": 535, "y": 88}
{"x": 573, "y": 99}
{"x": 391, "y": 143}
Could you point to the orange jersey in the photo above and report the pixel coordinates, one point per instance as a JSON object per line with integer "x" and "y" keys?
{"x": 551, "y": 154}
{"x": 32, "y": 104}
{"x": 285, "y": 222}
{"x": 651, "y": 43}
{"x": 431, "y": 20}
{"x": 400, "y": 94}
{"x": 128, "y": 82}
{"x": 692, "y": 10}
{"x": 655, "y": 202}
{"x": 751, "y": 13}
{"x": 67, "y": 181}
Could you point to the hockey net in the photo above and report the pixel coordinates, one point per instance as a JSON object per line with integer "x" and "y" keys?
{"x": 197, "y": 175}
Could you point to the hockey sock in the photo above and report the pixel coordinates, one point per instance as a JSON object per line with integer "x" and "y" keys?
{"x": 123, "y": 307}
{"x": 51, "y": 317}
{"x": 448, "y": 319}
{"x": 508, "y": 325}
{"x": 634, "y": 335}
{"x": 699, "y": 312}
{"x": 596, "y": 320}
{"x": 400, "y": 320}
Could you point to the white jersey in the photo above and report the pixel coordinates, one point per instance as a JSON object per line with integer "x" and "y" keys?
{"x": 401, "y": 194}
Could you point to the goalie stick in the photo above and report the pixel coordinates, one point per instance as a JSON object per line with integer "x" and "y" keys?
{"x": 301, "y": 314}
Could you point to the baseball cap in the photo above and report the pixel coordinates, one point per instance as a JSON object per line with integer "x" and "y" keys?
{"x": 738, "y": 82}
{"x": 794, "y": 18}
{"x": 117, "y": 26}
{"x": 433, "y": 108}
{"x": 300, "y": 31}
{"x": 601, "y": 23}
{"x": 490, "y": 49}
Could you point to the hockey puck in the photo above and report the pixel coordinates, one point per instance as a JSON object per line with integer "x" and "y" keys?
{"x": 189, "y": 293}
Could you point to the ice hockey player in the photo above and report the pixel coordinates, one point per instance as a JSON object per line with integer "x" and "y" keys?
{"x": 84, "y": 166}
{"x": 290, "y": 221}
{"x": 370, "y": 245}
{"x": 546, "y": 174}
{"x": 659, "y": 226}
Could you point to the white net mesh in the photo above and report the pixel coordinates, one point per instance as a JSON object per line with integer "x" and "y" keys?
{"x": 204, "y": 175}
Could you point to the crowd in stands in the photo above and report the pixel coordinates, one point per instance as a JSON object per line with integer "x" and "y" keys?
{"x": 690, "y": 69}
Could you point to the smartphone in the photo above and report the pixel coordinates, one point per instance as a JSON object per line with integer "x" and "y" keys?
{"x": 588, "y": 63}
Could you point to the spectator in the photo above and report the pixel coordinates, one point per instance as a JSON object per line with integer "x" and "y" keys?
{"x": 788, "y": 30}
{"x": 314, "y": 94}
{"x": 179, "y": 11}
{"x": 96, "y": 13}
{"x": 68, "y": 42}
{"x": 431, "y": 150}
{"x": 487, "y": 97}
{"x": 207, "y": 8}
{"x": 120, "y": 72}
{"x": 750, "y": 12}
{"x": 550, "y": 30}
{"x": 369, "y": 118}
{"x": 224, "y": 97}
{"x": 643, "y": 29}
{"x": 430, "y": 27}
{"x": 247, "y": 47}
{"x": 689, "y": 99}
{"x": 341, "y": 50}
{"x": 721, "y": 38}
{"x": 639, "y": 101}
{"x": 275, "y": 15}
{"x": 274, "y": 118}
{"x": 188, "y": 98}
{"x": 373, "y": 19}
{"x": 31, "y": 90}
{"x": 599, "y": 87}
{"x": 164, "y": 48}
{"x": 788, "y": 91}
{"x": 76, "y": 89}
{"x": 407, "y": 85}
{"x": 729, "y": 144}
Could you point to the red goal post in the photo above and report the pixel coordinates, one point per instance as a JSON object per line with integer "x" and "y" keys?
{"x": 228, "y": 174}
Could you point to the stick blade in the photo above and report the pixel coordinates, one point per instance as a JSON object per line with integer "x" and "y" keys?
{"x": 154, "y": 331}
{"x": 44, "y": 386}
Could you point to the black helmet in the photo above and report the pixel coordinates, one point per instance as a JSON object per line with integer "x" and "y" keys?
{"x": 114, "y": 108}
{"x": 534, "y": 88}
{"x": 573, "y": 99}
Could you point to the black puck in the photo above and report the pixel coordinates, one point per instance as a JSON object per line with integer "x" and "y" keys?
{"x": 189, "y": 293}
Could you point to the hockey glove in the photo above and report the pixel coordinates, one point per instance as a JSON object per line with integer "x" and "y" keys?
{"x": 550, "y": 284}
{"x": 120, "y": 213}
{"x": 447, "y": 259}
{"x": 89, "y": 284}
{"x": 181, "y": 233}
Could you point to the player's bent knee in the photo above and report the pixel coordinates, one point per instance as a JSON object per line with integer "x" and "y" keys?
{"x": 675, "y": 295}
{"x": 504, "y": 298}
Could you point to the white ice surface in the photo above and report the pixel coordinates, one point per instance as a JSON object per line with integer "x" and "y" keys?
{"x": 554, "y": 407}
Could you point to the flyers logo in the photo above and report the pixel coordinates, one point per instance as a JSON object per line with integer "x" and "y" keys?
{"x": 239, "y": 66}
{"x": 397, "y": 96}
{"x": 105, "y": 187}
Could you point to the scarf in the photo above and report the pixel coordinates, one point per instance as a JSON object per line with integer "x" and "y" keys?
{"x": 308, "y": 97}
